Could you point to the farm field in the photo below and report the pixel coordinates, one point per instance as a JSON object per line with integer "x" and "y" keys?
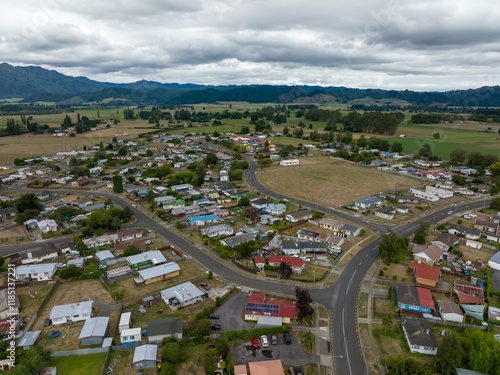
{"x": 331, "y": 182}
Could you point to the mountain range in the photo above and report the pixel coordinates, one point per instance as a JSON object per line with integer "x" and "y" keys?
{"x": 36, "y": 84}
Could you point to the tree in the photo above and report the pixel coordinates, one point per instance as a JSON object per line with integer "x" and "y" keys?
{"x": 222, "y": 347}
{"x": 408, "y": 366}
{"x": 397, "y": 147}
{"x": 436, "y": 135}
{"x": 31, "y": 361}
{"x": 99, "y": 219}
{"x": 362, "y": 142}
{"x": 458, "y": 156}
{"x": 450, "y": 354}
{"x": 149, "y": 153}
{"x": 131, "y": 250}
{"x": 425, "y": 151}
{"x": 173, "y": 352}
{"x": 459, "y": 180}
{"x": 495, "y": 169}
{"x": 211, "y": 159}
{"x": 202, "y": 327}
{"x": 285, "y": 270}
{"x": 28, "y": 201}
{"x": 420, "y": 235}
{"x": 303, "y": 304}
{"x": 116, "y": 222}
{"x": 70, "y": 272}
{"x": 391, "y": 246}
{"x": 495, "y": 204}
{"x": 245, "y": 130}
{"x": 387, "y": 323}
{"x": 122, "y": 151}
{"x": 117, "y": 184}
{"x": 243, "y": 202}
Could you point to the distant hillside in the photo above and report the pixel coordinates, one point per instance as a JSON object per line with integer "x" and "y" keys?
{"x": 37, "y": 84}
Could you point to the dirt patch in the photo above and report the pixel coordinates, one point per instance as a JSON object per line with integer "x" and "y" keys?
{"x": 396, "y": 272}
{"x": 31, "y": 297}
{"x": 11, "y": 233}
{"x": 382, "y": 307}
{"x": 334, "y": 182}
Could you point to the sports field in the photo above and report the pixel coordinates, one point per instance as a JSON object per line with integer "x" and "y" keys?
{"x": 332, "y": 182}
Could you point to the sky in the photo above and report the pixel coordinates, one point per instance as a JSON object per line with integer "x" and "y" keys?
{"x": 422, "y": 45}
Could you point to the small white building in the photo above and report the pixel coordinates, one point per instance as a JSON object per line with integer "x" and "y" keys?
{"x": 419, "y": 336}
{"x": 130, "y": 335}
{"x": 217, "y": 230}
{"x": 73, "y": 312}
{"x": 39, "y": 272}
{"x": 474, "y": 244}
{"x": 46, "y": 226}
{"x": 182, "y": 295}
{"x": 125, "y": 319}
{"x": 289, "y": 162}
{"x": 450, "y": 311}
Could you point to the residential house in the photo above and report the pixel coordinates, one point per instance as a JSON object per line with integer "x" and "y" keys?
{"x": 331, "y": 224}
{"x": 103, "y": 256}
{"x": 81, "y": 181}
{"x": 217, "y": 230}
{"x": 178, "y": 203}
{"x": 238, "y": 239}
{"x": 426, "y": 275}
{"x": 427, "y": 254}
{"x": 130, "y": 335}
{"x": 474, "y": 244}
{"x": 450, "y": 311}
{"x": 8, "y": 212}
{"x": 441, "y": 193}
{"x": 181, "y": 188}
{"x": 261, "y": 203}
{"x": 260, "y": 262}
{"x": 419, "y": 336}
{"x": 494, "y": 261}
{"x": 408, "y": 199}
{"x": 486, "y": 226}
{"x": 73, "y": 312}
{"x": 182, "y": 295}
{"x": 158, "y": 273}
{"x": 270, "y": 367}
{"x": 145, "y": 356}
{"x": 257, "y": 305}
{"x": 296, "y": 264}
{"x": 368, "y": 202}
{"x": 39, "y": 272}
{"x": 428, "y": 196}
{"x": 37, "y": 255}
{"x": 203, "y": 219}
{"x": 306, "y": 234}
{"x": 129, "y": 234}
{"x": 276, "y": 209}
{"x": 46, "y": 226}
{"x": 95, "y": 242}
{"x": 300, "y": 215}
{"x": 158, "y": 329}
{"x": 146, "y": 259}
{"x": 386, "y": 213}
{"x": 289, "y": 162}
{"x": 94, "y": 331}
{"x": 470, "y": 233}
{"x": 9, "y": 303}
{"x": 445, "y": 241}
{"x": 414, "y": 299}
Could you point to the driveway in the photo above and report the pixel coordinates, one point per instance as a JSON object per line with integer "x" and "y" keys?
{"x": 290, "y": 355}
{"x": 231, "y": 314}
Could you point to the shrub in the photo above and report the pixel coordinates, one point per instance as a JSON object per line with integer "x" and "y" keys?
{"x": 381, "y": 273}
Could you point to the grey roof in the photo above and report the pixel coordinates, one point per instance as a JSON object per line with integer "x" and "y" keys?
{"x": 450, "y": 307}
{"x": 239, "y": 239}
{"x": 300, "y": 213}
{"x": 369, "y": 200}
{"x": 418, "y": 332}
{"x": 446, "y": 238}
{"x": 103, "y": 255}
{"x": 465, "y": 230}
{"x": 350, "y": 228}
{"x": 29, "y": 269}
{"x": 108, "y": 341}
{"x": 165, "y": 326}
{"x": 387, "y": 210}
{"x": 71, "y": 309}
{"x": 162, "y": 269}
{"x": 463, "y": 371}
{"x": 37, "y": 252}
{"x": 146, "y": 352}
{"x": 495, "y": 258}
{"x": 407, "y": 294}
{"x": 94, "y": 327}
{"x": 29, "y": 338}
{"x": 308, "y": 233}
{"x": 182, "y": 292}
{"x": 153, "y": 255}
{"x": 76, "y": 262}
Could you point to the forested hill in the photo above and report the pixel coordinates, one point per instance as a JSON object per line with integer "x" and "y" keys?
{"x": 38, "y": 84}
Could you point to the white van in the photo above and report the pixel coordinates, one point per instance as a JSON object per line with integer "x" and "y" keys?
{"x": 264, "y": 341}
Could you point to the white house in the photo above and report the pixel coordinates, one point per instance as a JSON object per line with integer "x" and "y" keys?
{"x": 98, "y": 241}
{"x": 164, "y": 199}
{"x": 46, "y": 226}
{"x": 450, "y": 311}
{"x": 125, "y": 319}
{"x": 424, "y": 195}
{"x": 39, "y": 272}
{"x": 217, "y": 230}
{"x": 289, "y": 162}
{"x": 130, "y": 335}
{"x": 73, "y": 312}
{"x": 182, "y": 295}
{"x": 276, "y": 209}
{"x": 441, "y": 193}
{"x": 419, "y": 336}
{"x": 37, "y": 255}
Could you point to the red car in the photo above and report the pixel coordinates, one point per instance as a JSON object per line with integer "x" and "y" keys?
{"x": 255, "y": 343}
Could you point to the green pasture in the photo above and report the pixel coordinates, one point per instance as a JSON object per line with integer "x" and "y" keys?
{"x": 90, "y": 364}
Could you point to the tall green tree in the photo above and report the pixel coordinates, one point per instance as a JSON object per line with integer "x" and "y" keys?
{"x": 458, "y": 156}
{"x": 28, "y": 201}
{"x": 391, "y": 246}
{"x": 420, "y": 235}
{"x": 117, "y": 184}
{"x": 450, "y": 354}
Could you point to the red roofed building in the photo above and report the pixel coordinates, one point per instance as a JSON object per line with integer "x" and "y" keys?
{"x": 468, "y": 298}
{"x": 256, "y": 305}
{"x": 129, "y": 234}
{"x": 260, "y": 262}
{"x": 140, "y": 244}
{"x": 426, "y": 275}
{"x": 297, "y": 264}
{"x": 425, "y": 298}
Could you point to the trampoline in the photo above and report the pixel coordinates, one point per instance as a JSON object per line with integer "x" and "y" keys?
{"x": 54, "y": 334}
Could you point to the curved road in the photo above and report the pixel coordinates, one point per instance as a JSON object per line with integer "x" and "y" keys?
{"x": 340, "y": 299}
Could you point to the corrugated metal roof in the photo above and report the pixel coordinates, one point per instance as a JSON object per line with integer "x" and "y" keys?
{"x": 94, "y": 327}
{"x": 162, "y": 269}
{"x": 71, "y": 309}
{"x": 145, "y": 353}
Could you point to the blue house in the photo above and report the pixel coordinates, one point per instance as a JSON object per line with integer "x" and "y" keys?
{"x": 203, "y": 219}
{"x": 415, "y": 299}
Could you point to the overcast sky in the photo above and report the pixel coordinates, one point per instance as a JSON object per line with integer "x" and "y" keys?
{"x": 390, "y": 44}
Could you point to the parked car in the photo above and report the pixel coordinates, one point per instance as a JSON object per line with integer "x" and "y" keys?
{"x": 61, "y": 265}
{"x": 214, "y": 316}
{"x": 46, "y": 322}
{"x": 205, "y": 286}
{"x": 264, "y": 341}
{"x": 148, "y": 242}
{"x": 255, "y": 343}
{"x": 287, "y": 337}
{"x": 450, "y": 212}
{"x": 173, "y": 253}
{"x": 215, "y": 327}
{"x": 274, "y": 339}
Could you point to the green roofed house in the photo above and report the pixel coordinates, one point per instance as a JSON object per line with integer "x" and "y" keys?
{"x": 146, "y": 259}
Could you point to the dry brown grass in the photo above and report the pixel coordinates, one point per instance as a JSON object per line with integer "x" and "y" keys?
{"x": 331, "y": 182}
{"x": 30, "y": 305}
{"x": 368, "y": 350}
{"x": 11, "y": 233}
{"x": 398, "y": 270}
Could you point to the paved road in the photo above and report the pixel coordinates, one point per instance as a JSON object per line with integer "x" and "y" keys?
{"x": 340, "y": 299}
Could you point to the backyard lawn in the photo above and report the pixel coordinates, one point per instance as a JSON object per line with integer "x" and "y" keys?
{"x": 90, "y": 364}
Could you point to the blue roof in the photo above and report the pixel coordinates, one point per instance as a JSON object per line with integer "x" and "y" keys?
{"x": 211, "y": 217}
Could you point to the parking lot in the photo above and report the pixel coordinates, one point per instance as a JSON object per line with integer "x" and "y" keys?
{"x": 231, "y": 314}
{"x": 290, "y": 355}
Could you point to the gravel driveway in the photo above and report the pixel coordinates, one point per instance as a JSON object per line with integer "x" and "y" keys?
{"x": 231, "y": 314}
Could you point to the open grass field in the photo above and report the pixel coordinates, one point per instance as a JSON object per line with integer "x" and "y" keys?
{"x": 331, "y": 182}
{"x": 90, "y": 364}
{"x": 208, "y": 129}
{"x": 31, "y": 297}
{"x": 469, "y": 136}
